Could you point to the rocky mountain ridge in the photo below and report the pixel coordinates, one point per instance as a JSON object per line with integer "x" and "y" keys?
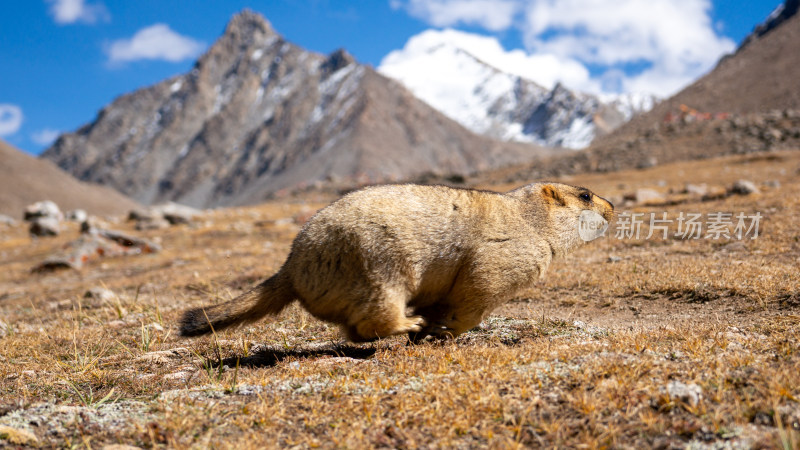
{"x": 258, "y": 114}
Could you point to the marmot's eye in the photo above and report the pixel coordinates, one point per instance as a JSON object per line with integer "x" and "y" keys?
{"x": 586, "y": 196}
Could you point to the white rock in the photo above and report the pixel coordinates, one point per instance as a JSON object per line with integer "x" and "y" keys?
{"x": 697, "y": 189}
{"x": 6, "y": 220}
{"x": 44, "y": 208}
{"x": 176, "y": 213}
{"x": 77, "y": 215}
{"x": 648, "y": 196}
{"x": 688, "y": 393}
{"x": 45, "y": 226}
{"x": 164, "y": 356}
{"x": 100, "y": 293}
{"x": 745, "y": 187}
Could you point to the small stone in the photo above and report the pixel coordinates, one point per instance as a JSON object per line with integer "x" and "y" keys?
{"x": 164, "y": 356}
{"x": 697, "y": 189}
{"x": 119, "y": 447}
{"x": 178, "y": 376}
{"x": 649, "y": 162}
{"x": 744, "y": 187}
{"x": 614, "y": 259}
{"x": 775, "y": 184}
{"x": 735, "y": 246}
{"x": 142, "y": 214}
{"x": 175, "y": 213}
{"x": 100, "y": 293}
{"x": 335, "y": 361}
{"x": 45, "y": 226}
{"x": 157, "y": 223}
{"x": 7, "y": 220}
{"x": 687, "y": 393}
{"x": 116, "y": 324}
{"x": 18, "y": 436}
{"x": 648, "y": 196}
{"x": 77, "y": 215}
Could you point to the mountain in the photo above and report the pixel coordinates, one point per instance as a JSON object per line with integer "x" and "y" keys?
{"x": 25, "y": 180}
{"x": 749, "y": 102}
{"x": 258, "y": 114}
{"x": 443, "y": 69}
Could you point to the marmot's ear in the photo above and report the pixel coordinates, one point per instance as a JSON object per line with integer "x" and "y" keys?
{"x": 551, "y": 194}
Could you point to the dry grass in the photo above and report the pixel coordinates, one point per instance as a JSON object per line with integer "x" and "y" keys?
{"x": 589, "y": 358}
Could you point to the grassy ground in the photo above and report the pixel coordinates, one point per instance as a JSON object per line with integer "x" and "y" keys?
{"x": 665, "y": 343}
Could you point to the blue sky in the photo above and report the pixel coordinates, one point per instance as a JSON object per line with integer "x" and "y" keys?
{"x": 63, "y": 60}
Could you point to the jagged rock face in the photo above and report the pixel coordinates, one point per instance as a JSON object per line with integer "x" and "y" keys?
{"x": 258, "y": 114}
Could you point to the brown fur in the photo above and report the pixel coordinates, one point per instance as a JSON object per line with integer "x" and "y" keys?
{"x": 450, "y": 255}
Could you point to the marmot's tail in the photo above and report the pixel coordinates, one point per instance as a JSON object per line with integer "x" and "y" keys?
{"x": 269, "y": 297}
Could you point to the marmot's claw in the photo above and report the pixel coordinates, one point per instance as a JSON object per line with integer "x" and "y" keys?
{"x": 417, "y": 324}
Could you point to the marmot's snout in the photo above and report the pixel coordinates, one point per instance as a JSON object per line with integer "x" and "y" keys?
{"x": 607, "y": 208}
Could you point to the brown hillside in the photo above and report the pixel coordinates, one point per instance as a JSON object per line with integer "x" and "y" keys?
{"x": 25, "y": 180}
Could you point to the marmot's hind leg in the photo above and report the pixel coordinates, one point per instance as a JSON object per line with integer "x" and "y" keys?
{"x": 447, "y": 322}
{"x": 383, "y": 316}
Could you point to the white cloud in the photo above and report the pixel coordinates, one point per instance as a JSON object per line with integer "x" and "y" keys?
{"x": 544, "y": 69}
{"x": 45, "y": 137}
{"x": 494, "y": 15}
{"x": 675, "y": 39}
{"x": 72, "y": 11}
{"x": 154, "y": 42}
{"x": 654, "y": 46}
{"x": 10, "y": 119}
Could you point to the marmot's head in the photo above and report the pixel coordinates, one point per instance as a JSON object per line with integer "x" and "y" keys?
{"x": 576, "y": 214}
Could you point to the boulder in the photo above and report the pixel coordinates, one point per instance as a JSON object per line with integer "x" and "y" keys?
{"x": 160, "y": 216}
{"x": 45, "y": 226}
{"x": 44, "y": 208}
{"x": 93, "y": 244}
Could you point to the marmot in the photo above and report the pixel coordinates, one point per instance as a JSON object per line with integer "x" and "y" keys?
{"x": 446, "y": 255}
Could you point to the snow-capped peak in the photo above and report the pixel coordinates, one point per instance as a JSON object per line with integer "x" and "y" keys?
{"x": 508, "y": 95}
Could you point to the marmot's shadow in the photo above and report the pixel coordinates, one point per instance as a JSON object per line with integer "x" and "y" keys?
{"x": 269, "y": 357}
